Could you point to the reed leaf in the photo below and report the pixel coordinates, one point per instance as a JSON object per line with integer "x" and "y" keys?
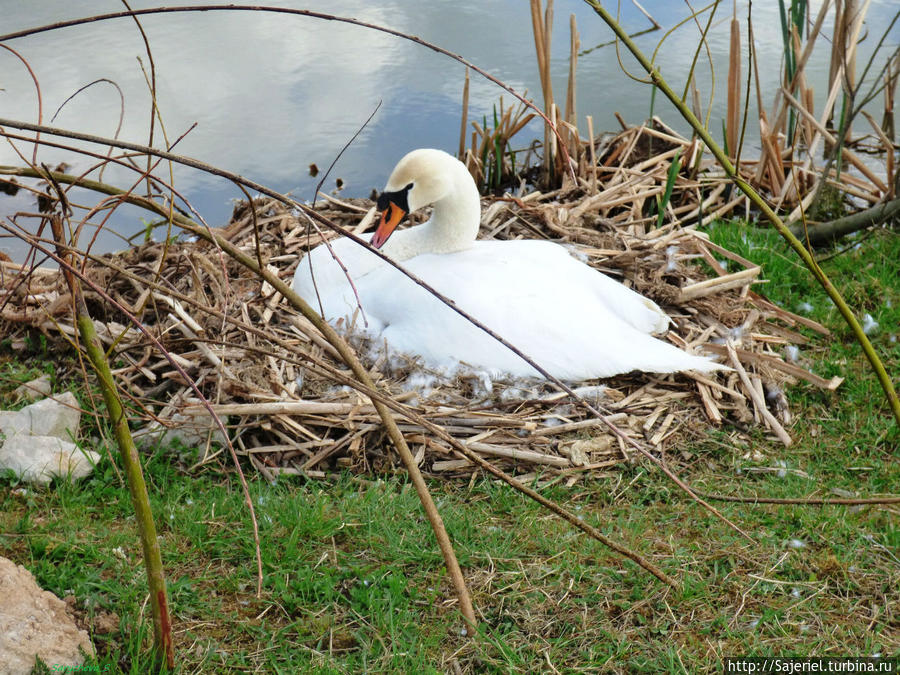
{"x": 671, "y": 176}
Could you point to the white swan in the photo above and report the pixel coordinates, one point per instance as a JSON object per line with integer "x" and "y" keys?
{"x": 571, "y": 319}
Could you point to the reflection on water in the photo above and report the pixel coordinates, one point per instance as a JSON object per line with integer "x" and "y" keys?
{"x": 272, "y": 93}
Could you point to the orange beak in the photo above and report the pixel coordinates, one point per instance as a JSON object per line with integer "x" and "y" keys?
{"x": 390, "y": 218}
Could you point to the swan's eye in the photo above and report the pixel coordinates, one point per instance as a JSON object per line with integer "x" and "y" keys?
{"x": 398, "y": 197}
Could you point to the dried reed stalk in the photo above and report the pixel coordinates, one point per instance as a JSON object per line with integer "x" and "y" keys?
{"x": 592, "y": 153}
{"x": 573, "y": 141}
{"x": 733, "y": 110}
{"x": 542, "y": 27}
{"x": 888, "y": 146}
{"x": 891, "y": 77}
{"x": 847, "y": 153}
{"x": 838, "y": 50}
{"x": 461, "y": 153}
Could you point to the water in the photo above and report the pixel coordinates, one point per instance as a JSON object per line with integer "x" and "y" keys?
{"x": 271, "y": 94}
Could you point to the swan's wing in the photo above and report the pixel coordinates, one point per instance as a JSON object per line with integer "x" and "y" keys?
{"x": 532, "y": 298}
{"x": 594, "y": 287}
{"x": 324, "y": 283}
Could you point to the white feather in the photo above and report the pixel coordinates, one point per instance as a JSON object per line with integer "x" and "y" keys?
{"x": 572, "y": 320}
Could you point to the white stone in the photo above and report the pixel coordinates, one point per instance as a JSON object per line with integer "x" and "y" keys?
{"x": 35, "y": 389}
{"x": 36, "y": 441}
{"x": 12, "y": 423}
{"x": 58, "y": 416}
{"x": 34, "y": 622}
{"x": 38, "y": 459}
{"x": 192, "y": 431}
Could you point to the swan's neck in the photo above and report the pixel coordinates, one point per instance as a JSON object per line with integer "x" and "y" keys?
{"x": 453, "y": 225}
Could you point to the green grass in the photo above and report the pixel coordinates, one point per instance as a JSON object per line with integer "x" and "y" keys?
{"x": 867, "y": 273}
{"x": 353, "y": 581}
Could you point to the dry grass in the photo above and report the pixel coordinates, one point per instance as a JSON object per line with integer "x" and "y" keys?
{"x": 277, "y": 380}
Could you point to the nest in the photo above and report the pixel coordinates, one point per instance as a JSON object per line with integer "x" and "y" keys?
{"x": 271, "y": 376}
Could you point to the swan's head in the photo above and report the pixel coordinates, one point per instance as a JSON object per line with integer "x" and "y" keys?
{"x": 421, "y": 178}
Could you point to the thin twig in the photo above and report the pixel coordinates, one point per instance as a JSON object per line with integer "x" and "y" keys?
{"x": 805, "y": 501}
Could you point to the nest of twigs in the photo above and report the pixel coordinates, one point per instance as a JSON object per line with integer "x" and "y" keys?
{"x": 271, "y": 376}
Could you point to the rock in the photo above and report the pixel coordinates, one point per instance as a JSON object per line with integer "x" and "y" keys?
{"x": 34, "y": 622}
{"x": 192, "y": 431}
{"x": 36, "y": 441}
{"x": 12, "y": 423}
{"x": 58, "y": 416}
{"x": 39, "y": 459}
{"x": 33, "y": 390}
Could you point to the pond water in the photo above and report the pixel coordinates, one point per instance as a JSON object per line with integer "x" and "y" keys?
{"x": 271, "y": 94}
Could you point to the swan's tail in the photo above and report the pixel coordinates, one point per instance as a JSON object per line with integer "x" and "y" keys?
{"x": 651, "y": 355}
{"x": 657, "y": 356}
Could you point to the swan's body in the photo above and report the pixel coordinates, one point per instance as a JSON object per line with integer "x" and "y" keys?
{"x": 572, "y": 320}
